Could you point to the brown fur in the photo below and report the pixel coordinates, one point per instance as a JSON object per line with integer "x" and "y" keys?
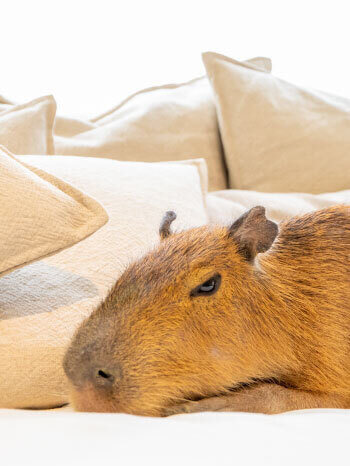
{"x": 283, "y": 318}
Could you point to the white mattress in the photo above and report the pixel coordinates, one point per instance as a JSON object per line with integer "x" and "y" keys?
{"x": 58, "y": 437}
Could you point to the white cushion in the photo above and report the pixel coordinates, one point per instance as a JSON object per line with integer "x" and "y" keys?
{"x": 225, "y": 206}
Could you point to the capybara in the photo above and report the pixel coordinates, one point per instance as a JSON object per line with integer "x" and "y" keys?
{"x": 236, "y": 318}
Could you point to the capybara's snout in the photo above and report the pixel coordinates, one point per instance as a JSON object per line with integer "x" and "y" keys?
{"x": 93, "y": 370}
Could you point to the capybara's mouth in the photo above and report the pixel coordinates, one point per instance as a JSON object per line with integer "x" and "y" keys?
{"x": 190, "y": 399}
{"x": 197, "y": 397}
{"x": 178, "y": 406}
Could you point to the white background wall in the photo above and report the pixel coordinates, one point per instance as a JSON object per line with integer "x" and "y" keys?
{"x": 92, "y": 53}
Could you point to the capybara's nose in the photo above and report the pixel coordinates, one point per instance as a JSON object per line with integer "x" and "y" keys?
{"x": 99, "y": 375}
{"x": 104, "y": 377}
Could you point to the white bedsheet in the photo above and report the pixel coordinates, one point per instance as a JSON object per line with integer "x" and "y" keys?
{"x": 60, "y": 437}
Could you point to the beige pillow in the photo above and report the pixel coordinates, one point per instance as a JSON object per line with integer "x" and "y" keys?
{"x": 173, "y": 122}
{"x": 5, "y": 103}
{"x": 4, "y": 107}
{"x": 5, "y": 100}
{"x": 225, "y": 206}
{"x": 278, "y": 137}
{"x": 27, "y": 128}
{"x": 40, "y": 214}
{"x": 42, "y": 304}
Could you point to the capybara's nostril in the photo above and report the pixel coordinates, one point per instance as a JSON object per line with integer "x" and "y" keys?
{"x": 104, "y": 377}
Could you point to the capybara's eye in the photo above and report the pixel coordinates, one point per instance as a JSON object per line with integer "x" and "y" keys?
{"x": 209, "y": 287}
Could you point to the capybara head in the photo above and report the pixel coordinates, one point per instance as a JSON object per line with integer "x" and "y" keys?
{"x": 176, "y": 325}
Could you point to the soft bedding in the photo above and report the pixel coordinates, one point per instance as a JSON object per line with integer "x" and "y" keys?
{"x": 42, "y": 303}
{"x": 56, "y": 438}
{"x": 162, "y": 123}
{"x": 170, "y": 122}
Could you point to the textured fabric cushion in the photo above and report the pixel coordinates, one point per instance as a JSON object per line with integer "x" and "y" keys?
{"x": 40, "y": 214}
{"x": 278, "y": 137}
{"x": 42, "y": 304}
{"x": 5, "y": 103}
{"x": 27, "y": 128}
{"x": 225, "y": 206}
{"x": 4, "y": 106}
{"x": 173, "y": 122}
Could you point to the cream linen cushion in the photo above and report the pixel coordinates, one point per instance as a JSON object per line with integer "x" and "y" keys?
{"x": 173, "y": 122}
{"x": 4, "y": 106}
{"x": 225, "y": 206}
{"x": 278, "y": 137}
{"x": 5, "y": 103}
{"x": 40, "y": 214}
{"x": 27, "y": 128}
{"x": 42, "y": 304}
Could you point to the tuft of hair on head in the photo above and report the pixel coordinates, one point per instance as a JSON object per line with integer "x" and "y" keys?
{"x": 164, "y": 229}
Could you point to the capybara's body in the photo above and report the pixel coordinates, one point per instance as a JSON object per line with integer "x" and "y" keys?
{"x": 206, "y": 322}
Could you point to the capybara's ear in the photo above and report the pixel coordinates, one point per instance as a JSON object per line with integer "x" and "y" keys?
{"x": 164, "y": 229}
{"x": 253, "y": 232}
